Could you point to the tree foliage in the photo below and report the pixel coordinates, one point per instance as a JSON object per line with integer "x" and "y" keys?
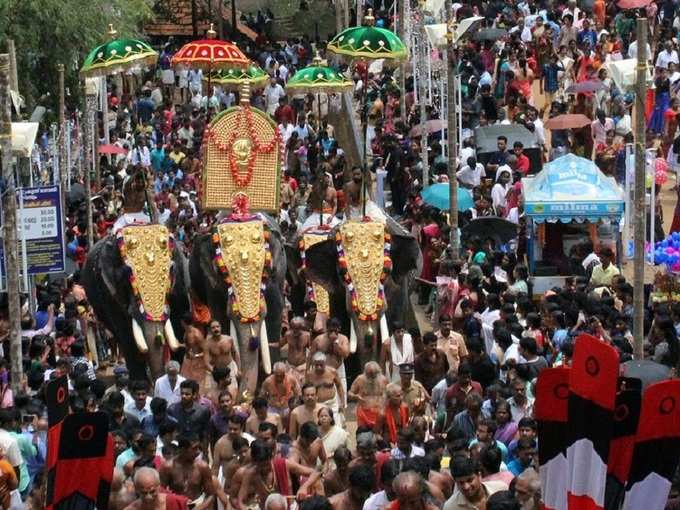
{"x": 50, "y": 32}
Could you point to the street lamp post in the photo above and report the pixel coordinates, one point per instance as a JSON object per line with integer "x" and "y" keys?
{"x": 452, "y": 129}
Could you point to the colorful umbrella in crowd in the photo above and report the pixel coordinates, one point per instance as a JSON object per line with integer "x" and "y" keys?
{"x": 568, "y": 121}
{"x": 437, "y": 195}
{"x": 117, "y": 55}
{"x": 210, "y": 53}
{"x": 586, "y": 87}
{"x": 232, "y": 78}
{"x": 318, "y": 79}
{"x": 368, "y": 42}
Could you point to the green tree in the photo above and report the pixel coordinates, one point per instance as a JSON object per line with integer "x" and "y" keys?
{"x": 49, "y": 32}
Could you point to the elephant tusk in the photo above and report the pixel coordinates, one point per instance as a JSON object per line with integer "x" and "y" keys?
{"x": 352, "y": 338}
{"x": 384, "y": 331}
{"x": 138, "y": 334}
{"x": 170, "y": 336}
{"x": 264, "y": 348}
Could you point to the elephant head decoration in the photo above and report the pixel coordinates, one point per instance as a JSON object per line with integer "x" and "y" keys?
{"x": 238, "y": 272}
{"x": 370, "y": 262}
{"x": 137, "y": 281}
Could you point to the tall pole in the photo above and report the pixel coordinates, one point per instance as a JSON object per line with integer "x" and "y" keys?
{"x": 404, "y": 63}
{"x": 640, "y": 216}
{"x": 452, "y": 132}
{"x": 9, "y": 206}
{"x": 13, "y": 71}
{"x": 233, "y": 17}
{"x": 63, "y": 170}
{"x": 422, "y": 95}
{"x": 90, "y": 95}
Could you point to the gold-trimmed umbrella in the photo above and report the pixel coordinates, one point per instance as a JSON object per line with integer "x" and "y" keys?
{"x": 368, "y": 42}
{"x": 233, "y": 78}
{"x": 117, "y": 55}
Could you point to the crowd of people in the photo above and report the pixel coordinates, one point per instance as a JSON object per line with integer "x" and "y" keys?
{"x": 444, "y": 416}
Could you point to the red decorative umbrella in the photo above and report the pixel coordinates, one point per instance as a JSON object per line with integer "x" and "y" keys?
{"x": 111, "y": 149}
{"x": 567, "y": 121}
{"x": 210, "y": 54}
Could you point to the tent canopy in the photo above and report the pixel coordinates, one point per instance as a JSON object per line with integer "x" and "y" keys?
{"x": 486, "y": 137}
{"x": 23, "y": 138}
{"x": 571, "y": 188}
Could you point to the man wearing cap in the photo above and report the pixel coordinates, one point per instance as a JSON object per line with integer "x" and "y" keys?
{"x": 329, "y": 390}
{"x": 414, "y": 394}
{"x": 121, "y": 380}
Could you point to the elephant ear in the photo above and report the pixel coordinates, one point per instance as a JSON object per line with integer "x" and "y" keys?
{"x": 404, "y": 252}
{"x": 321, "y": 261}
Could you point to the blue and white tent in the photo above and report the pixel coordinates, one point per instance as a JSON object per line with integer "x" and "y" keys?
{"x": 571, "y": 188}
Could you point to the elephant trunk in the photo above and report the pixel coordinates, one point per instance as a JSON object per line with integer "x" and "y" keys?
{"x": 252, "y": 340}
{"x": 367, "y": 337}
{"x": 150, "y": 337}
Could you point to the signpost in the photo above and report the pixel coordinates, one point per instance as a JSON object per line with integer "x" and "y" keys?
{"x": 41, "y": 235}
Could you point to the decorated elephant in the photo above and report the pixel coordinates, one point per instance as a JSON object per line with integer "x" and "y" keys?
{"x": 137, "y": 282}
{"x": 238, "y": 271}
{"x": 372, "y": 264}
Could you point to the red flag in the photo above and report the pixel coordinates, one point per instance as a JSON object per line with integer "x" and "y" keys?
{"x": 657, "y": 448}
{"x": 592, "y": 394}
{"x": 551, "y": 413}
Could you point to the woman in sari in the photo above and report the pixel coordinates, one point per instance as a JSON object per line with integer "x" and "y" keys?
{"x": 332, "y": 436}
{"x": 507, "y": 429}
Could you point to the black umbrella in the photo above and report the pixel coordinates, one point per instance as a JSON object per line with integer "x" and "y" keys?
{"x": 490, "y": 227}
{"x": 648, "y": 371}
{"x": 489, "y": 34}
{"x": 76, "y": 193}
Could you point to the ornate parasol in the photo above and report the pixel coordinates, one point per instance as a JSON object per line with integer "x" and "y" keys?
{"x": 232, "y": 78}
{"x": 210, "y": 53}
{"x": 318, "y": 78}
{"x": 117, "y": 55}
{"x": 368, "y": 43}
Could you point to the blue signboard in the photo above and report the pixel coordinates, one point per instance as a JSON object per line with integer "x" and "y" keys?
{"x": 41, "y": 223}
{"x": 575, "y": 208}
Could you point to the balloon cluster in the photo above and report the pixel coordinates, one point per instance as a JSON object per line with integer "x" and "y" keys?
{"x": 668, "y": 252}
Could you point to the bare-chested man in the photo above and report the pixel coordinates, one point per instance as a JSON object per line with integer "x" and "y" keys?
{"x": 149, "y": 496}
{"x": 195, "y": 365}
{"x": 224, "y": 449}
{"x": 361, "y": 484}
{"x": 225, "y": 478}
{"x": 261, "y": 414}
{"x": 323, "y": 197}
{"x": 352, "y": 190}
{"x": 187, "y": 475}
{"x": 336, "y": 348}
{"x": 222, "y": 350}
{"x": 308, "y": 448}
{"x": 368, "y": 390}
{"x": 266, "y": 474}
{"x": 279, "y": 388}
{"x": 297, "y": 340}
{"x": 306, "y": 412}
{"x": 329, "y": 390}
{"x": 122, "y": 493}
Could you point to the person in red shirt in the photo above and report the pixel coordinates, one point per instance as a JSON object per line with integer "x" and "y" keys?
{"x": 284, "y": 111}
{"x": 523, "y": 164}
{"x": 457, "y": 392}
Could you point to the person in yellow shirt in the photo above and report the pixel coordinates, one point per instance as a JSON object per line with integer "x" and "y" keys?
{"x": 602, "y": 275}
{"x": 176, "y": 155}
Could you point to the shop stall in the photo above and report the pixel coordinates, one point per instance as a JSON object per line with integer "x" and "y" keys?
{"x": 567, "y": 203}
